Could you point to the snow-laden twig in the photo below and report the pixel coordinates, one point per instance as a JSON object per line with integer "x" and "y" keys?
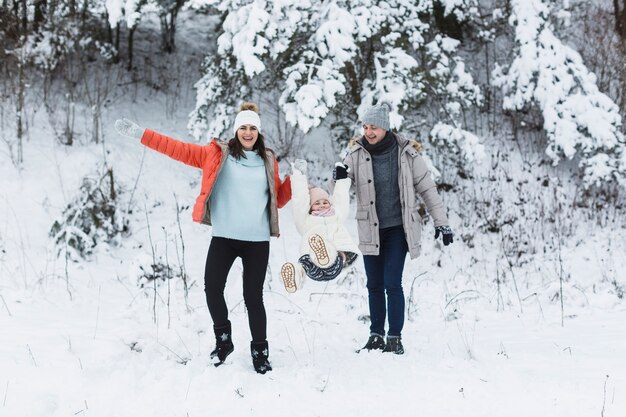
{"x": 181, "y": 360}
{"x": 30, "y": 352}
{"x": 510, "y": 263}
{"x": 604, "y": 396}
{"x": 6, "y": 306}
{"x": 466, "y": 341}
{"x": 183, "y": 343}
{"x": 132, "y": 192}
{"x": 181, "y": 258}
{"x": 154, "y": 262}
{"x": 6, "y": 391}
{"x": 410, "y": 302}
{"x": 95, "y": 330}
{"x": 168, "y": 277}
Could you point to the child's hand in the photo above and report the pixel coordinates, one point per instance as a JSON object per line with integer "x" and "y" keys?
{"x": 340, "y": 171}
{"x": 300, "y": 165}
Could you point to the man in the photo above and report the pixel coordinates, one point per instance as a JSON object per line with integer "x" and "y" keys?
{"x": 388, "y": 173}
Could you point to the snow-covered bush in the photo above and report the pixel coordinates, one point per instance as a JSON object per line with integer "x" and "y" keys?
{"x": 59, "y": 37}
{"x": 93, "y": 217}
{"x": 145, "y": 269}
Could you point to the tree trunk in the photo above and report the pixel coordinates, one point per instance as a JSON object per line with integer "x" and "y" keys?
{"x": 40, "y": 14}
{"x": 19, "y": 110}
{"x": 116, "y": 43}
{"x": 10, "y": 22}
{"x": 84, "y": 14}
{"x": 620, "y": 18}
{"x": 72, "y": 6}
{"x": 617, "y": 15}
{"x": 109, "y": 28}
{"x": 168, "y": 17}
{"x": 95, "y": 118}
{"x": 69, "y": 120}
{"x": 131, "y": 33}
{"x": 622, "y": 23}
{"x": 168, "y": 28}
{"x": 24, "y": 17}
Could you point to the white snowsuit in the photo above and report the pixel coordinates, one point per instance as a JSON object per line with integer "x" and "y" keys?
{"x": 331, "y": 228}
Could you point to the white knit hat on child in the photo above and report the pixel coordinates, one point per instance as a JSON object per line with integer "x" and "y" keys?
{"x": 316, "y": 194}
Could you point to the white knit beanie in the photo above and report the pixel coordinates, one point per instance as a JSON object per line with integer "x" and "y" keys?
{"x": 247, "y": 117}
{"x": 377, "y": 116}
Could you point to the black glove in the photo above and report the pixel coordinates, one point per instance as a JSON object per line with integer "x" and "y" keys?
{"x": 446, "y": 233}
{"x": 340, "y": 171}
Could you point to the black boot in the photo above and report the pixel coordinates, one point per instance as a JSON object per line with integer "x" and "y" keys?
{"x": 375, "y": 342}
{"x": 223, "y": 343}
{"x": 394, "y": 345}
{"x": 260, "y": 357}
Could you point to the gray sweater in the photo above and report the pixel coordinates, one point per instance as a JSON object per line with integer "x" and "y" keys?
{"x": 385, "y": 166}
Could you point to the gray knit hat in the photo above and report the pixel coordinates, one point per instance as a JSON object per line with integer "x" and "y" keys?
{"x": 377, "y": 116}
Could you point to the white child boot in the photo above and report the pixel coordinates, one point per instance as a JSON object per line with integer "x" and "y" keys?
{"x": 292, "y": 275}
{"x": 322, "y": 253}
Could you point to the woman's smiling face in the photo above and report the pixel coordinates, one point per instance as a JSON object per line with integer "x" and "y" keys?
{"x": 247, "y": 136}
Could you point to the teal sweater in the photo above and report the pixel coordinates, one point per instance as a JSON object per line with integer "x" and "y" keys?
{"x": 240, "y": 199}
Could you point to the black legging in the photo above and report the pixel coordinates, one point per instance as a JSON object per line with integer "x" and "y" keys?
{"x": 254, "y": 257}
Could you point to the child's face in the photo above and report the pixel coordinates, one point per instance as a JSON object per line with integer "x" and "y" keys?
{"x": 320, "y": 204}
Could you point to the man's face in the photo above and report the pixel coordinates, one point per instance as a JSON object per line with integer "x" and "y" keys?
{"x": 373, "y": 134}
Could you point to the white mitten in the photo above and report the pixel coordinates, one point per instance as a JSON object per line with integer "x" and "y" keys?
{"x": 128, "y": 128}
{"x": 300, "y": 165}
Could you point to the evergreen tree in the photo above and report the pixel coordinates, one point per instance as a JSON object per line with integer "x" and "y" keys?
{"x": 578, "y": 119}
{"x": 330, "y": 60}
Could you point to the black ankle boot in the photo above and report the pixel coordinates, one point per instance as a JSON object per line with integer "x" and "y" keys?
{"x": 260, "y": 357}
{"x": 223, "y": 343}
{"x": 394, "y": 345}
{"x": 375, "y": 342}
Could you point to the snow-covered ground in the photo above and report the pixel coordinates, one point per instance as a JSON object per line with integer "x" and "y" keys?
{"x": 101, "y": 354}
{"x": 90, "y": 341}
{"x": 481, "y": 338}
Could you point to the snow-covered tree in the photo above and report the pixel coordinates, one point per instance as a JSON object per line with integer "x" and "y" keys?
{"x": 331, "y": 59}
{"x": 578, "y": 119}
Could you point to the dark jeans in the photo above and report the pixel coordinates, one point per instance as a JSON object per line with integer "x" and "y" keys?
{"x": 384, "y": 275}
{"x": 254, "y": 257}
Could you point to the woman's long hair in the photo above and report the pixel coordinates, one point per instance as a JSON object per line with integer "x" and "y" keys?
{"x": 235, "y": 148}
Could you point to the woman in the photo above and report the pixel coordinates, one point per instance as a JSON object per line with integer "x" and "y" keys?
{"x": 240, "y": 196}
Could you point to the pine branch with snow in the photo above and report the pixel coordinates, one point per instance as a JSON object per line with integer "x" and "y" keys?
{"x": 333, "y": 59}
{"x": 579, "y": 120}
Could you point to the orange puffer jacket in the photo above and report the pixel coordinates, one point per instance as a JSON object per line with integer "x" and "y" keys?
{"x": 210, "y": 159}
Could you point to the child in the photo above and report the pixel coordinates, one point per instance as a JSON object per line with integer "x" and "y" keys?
{"x": 326, "y": 243}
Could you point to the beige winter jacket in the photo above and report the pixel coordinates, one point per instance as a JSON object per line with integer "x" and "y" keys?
{"x": 414, "y": 179}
